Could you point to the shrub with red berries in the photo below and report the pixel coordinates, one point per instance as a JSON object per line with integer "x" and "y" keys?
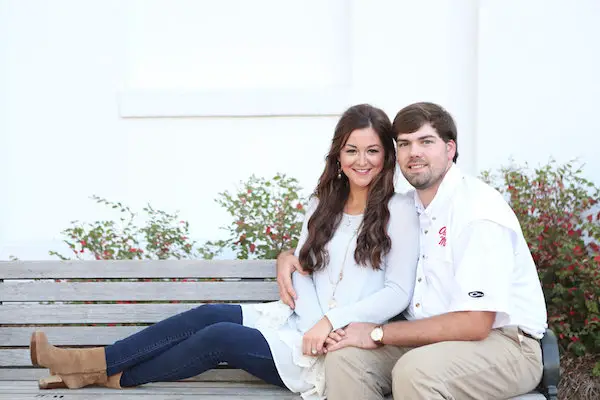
{"x": 559, "y": 214}
{"x": 161, "y": 237}
{"x": 266, "y": 217}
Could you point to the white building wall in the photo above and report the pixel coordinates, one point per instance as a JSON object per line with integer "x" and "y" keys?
{"x": 148, "y": 101}
{"x": 539, "y": 84}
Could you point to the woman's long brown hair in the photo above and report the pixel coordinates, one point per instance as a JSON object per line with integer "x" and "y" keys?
{"x": 373, "y": 241}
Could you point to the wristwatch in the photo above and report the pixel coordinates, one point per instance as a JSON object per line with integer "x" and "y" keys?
{"x": 377, "y": 334}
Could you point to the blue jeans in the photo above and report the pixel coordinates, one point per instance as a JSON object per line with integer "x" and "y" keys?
{"x": 190, "y": 343}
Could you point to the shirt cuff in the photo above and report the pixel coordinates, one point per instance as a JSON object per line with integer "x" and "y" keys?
{"x": 474, "y": 301}
{"x": 337, "y": 318}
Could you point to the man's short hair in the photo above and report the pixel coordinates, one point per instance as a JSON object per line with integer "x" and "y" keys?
{"x": 412, "y": 117}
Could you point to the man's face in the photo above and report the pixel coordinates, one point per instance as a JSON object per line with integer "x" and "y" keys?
{"x": 424, "y": 157}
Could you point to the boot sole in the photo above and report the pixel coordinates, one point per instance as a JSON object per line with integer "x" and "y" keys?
{"x": 33, "y": 349}
{"x": 52, "y": 382}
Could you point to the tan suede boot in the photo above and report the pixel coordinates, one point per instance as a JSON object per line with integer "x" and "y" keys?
{"x": 114, "y": 381}
{"x": 75, "y": 381}
{"x": 74, "y": 367}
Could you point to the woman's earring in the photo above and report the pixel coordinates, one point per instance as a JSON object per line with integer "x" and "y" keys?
{"x": 339, "y": 171}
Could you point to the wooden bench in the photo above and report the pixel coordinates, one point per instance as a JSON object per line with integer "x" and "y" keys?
{"x": 87, "y": 303}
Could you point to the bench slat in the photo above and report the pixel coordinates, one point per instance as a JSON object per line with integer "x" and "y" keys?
{"x": 68, "y": 336}
{"x": 107, "y": 394}
{"x": 15, "y": 358}
{"x": 166, "y": 390}
{"x": 142, "y": 291}
{"x": 213, "y": 375}
{"x": 161, "y": 390}
{"x": 137, "y": 269}
{"x": 89, "y": 313}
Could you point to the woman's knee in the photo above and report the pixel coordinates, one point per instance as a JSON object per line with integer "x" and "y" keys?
{"x": 215, "y": 313}
{"x": 231, "y": 339}
{"x": 233, "y": 342}
{"x": 220, "y": 333}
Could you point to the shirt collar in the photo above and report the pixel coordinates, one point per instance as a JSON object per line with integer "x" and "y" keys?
{"x": 450, "y": 181}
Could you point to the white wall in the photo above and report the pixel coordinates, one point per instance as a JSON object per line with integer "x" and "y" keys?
{"x": 73, "y": 123}
{"x": 539, "y": 86}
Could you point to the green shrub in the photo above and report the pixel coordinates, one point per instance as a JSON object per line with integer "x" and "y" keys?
{"x": 161, "y": 236}
{"x": 266, "y": 217}
{"x": 561, "y": 223}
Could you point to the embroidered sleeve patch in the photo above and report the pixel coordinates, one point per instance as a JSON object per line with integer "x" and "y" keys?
{"x": 476, "y": 294}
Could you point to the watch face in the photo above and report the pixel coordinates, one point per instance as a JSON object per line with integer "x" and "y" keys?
{"x": 377, "y": 334}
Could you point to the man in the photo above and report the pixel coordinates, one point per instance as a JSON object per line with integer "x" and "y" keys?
{"x": 477, "y": 313}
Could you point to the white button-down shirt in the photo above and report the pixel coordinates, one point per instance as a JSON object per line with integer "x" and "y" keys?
{"x": 473, "y": 257}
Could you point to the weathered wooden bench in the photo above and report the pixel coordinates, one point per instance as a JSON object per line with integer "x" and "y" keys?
{"x": 88, "y": 303}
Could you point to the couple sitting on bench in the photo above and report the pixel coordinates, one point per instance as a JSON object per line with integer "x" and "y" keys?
{"x": 448, "y": 259}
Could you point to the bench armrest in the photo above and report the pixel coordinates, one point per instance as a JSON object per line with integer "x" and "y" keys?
{"x": 551, "y": 358}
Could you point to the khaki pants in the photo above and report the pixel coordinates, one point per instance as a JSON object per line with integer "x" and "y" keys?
{"x": 503, "y": 365}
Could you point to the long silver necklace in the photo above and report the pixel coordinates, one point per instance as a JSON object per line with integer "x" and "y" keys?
{"x": 332, "y": 301}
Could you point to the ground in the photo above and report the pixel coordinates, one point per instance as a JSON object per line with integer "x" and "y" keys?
{"x": 577, "y": 381}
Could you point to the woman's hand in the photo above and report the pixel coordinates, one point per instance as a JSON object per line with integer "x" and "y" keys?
{"x": 314, "y": 338}
{"x": 287, "y": 263}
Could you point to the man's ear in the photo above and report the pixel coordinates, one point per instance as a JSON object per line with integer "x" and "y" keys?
{"x": 451, "y": 148}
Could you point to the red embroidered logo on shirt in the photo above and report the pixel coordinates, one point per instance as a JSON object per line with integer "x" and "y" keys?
{"x": 442, "y": 233}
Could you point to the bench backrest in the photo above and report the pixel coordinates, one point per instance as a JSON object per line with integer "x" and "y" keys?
{"x": 91, "y": 303}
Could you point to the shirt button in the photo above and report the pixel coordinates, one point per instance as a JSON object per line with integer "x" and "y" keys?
{"x": 426, "y": 231}
{"x": 419, "y": 280}
{"x": 424, "y": 256}
{"x": 418, "y": 305}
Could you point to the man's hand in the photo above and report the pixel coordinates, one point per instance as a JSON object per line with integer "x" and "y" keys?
{"x": 287, "y": 263}
{"x": 357, "y": 334}
{"x": 333, "y": 338}
{"x": 314, "y": 338}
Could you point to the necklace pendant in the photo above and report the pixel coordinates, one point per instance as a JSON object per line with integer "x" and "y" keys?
{"x": 347, "y": 222}
{"x": 332, "y": 303}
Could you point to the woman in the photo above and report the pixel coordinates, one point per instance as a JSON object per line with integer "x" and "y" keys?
{"x": 356, "y": 275}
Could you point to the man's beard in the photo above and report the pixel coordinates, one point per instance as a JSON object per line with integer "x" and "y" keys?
{"x": 422, "y": 181}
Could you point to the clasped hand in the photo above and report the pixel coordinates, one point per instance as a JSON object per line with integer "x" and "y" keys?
{"x": 323, "y": 339}
{"x": 356, "y": 334}
{"x": 314, "y": 339}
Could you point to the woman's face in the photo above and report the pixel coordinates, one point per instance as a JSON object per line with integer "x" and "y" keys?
{"x": 362, "y": 157}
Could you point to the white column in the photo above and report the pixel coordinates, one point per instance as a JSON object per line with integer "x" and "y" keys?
{"x": 462, "y": 63}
